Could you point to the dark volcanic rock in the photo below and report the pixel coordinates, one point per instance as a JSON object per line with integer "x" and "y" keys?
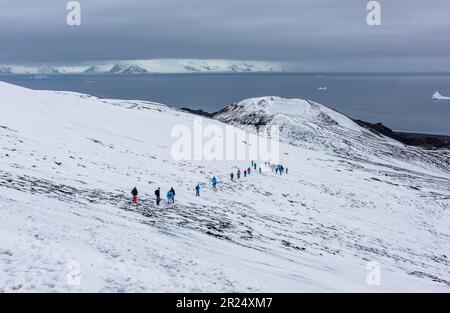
{"x": 427, "y": 141}
{"x": 198, "y": 112}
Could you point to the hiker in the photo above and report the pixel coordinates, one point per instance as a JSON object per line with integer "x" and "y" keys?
{"x": 232, "y": 176}
{"x": 280, "y": 169}
{"x": 197, "y": 190}
{"x": 170, "y": 197}
{"x": 214, "y": 182}
{"x": 245, "y": 173}
{"x": 173, "y": 191}
{"x": 158, "y": 195}
{"x": 248, "y": 171}
{"x": 276, "y": 170}
{"x": 238, "y": 174}
{"x": 252, "y": 163}
{"x": 286, "y": 170}
{"x": 134, "y": 192}
{"x": 260, "y": 171}
{"x": 254, "y": 166}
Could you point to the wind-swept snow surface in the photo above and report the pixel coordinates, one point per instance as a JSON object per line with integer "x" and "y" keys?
{"x": 69, "y": 161}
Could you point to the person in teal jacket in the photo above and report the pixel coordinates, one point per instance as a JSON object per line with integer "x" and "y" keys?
{"x": 170, "y": 197}
{"x": 197, "y": 190}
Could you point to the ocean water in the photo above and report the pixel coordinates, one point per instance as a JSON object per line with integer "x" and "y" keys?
{"x": 401, "y": 102}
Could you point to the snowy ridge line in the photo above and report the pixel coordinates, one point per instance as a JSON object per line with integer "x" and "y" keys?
{"x": 310, "y": 125}
{"x": 155, "y": 66}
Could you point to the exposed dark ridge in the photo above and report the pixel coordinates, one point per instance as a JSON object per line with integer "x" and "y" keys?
{"x": 225, "y": 109}
{"x": 198, "y": 112}
{"x": 379, "y": 129}
{"x": 427, "y": 141}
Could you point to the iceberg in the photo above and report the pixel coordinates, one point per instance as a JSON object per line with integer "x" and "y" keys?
{"x": 437, "y": 96}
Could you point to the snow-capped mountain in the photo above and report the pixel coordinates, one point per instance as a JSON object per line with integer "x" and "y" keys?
{"x": 48, "y": 70}
{"x": 6, "y": 70}
{"x": 310, "y": 125}
{"x": 156, "y": 66}
{"x": 68, "y": 162}
{"x": 92, "y": 69}
{"x": 127, "y": 69}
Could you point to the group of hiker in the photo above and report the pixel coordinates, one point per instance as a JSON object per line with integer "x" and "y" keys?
{"x": 277, "y": 168}
{"x": 170, "y": 195}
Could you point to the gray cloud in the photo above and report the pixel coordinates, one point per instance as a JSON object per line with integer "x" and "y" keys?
{"x": 321, "y": 34}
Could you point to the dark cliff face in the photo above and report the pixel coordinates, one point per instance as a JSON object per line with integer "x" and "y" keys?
{"x": 427, "y": 141}
{"x": 198, "y": 112}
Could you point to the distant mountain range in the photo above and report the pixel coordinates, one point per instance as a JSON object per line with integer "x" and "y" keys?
{"x": 129, "y": 67}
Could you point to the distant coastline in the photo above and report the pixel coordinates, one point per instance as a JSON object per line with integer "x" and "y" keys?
{"x": 404, "y": 103}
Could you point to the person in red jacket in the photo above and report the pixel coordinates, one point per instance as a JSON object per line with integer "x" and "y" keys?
{"x": 134, "y": 192}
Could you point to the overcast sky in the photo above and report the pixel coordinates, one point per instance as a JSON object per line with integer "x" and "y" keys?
{"x": 320, "y": 34}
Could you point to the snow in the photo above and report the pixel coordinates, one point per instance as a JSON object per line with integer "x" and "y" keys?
{"x": 156, "y": 66}
{"x": 310, "y": 125}
{"x": 69, "y": 162}
{"x": 127, "y": 69}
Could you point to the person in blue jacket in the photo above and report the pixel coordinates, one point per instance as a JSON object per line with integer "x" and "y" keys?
{"x": 170, "y": 196}
{"x": 197, "y": 190}
{"x": 214, "y": 182}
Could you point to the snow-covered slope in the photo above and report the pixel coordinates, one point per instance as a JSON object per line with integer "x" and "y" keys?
{"x": 313, "y": 126}
{"x": 69, "y": 161}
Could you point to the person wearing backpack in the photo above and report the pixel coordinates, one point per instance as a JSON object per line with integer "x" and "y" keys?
{"x": 197, "y": 190}
{"x": 134, "y": 193}
{"x": 158, "y": 195}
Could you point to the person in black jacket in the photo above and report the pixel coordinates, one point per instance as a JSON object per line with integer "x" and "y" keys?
{"x": 158, "y": 195}
{"x": 134, "y": 192}
{"x": 173, "y": 191}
